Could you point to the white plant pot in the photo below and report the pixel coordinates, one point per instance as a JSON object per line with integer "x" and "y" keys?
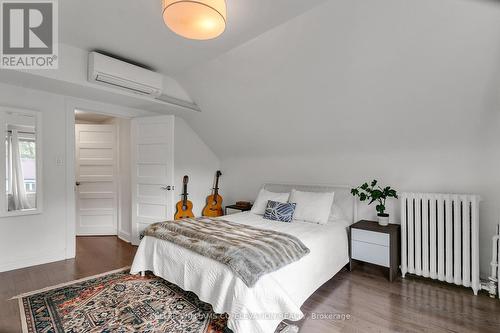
{"x": 383, "y": 220}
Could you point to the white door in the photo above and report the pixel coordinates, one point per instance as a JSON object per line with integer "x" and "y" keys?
{"x": 152, "y": 172}
{"x": 96, "y": 171}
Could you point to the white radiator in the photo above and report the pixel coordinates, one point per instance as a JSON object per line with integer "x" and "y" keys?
{"x": 440, "y": 237}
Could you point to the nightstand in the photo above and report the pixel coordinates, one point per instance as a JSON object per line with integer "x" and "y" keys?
{"x": 235, "y": 209}
{"x": 376, "y": 244}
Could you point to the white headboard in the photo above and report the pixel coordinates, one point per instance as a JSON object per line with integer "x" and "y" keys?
{"x": 343, "y": 197}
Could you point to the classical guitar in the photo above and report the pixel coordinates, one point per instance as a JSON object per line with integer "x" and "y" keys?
{"x": 214, "y": 201}
{"x": 184, "y": 208}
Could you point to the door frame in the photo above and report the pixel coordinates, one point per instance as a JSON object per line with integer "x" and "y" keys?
{"x": 71, "y": 105}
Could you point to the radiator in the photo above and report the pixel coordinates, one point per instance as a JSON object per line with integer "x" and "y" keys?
{"x": 440, "y": 237}
{"x": 493, "y": 285}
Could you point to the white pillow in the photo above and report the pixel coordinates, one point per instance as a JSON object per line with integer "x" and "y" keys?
{"x": 260, "y": 204}
{"x": 336, "y": 213}
{"x": 312, "y": 207}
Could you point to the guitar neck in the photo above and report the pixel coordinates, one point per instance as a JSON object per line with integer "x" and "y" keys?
{"x": 184, "y": 194}
{"x": 216, "y": 188}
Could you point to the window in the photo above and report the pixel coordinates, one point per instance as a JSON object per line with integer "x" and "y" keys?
{"x": 22, "y": 163}
{"x": 28, "y": 162}
{"x": 27, "y": 152}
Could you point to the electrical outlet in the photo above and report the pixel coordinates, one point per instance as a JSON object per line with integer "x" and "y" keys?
{"x": 59, "y": 161}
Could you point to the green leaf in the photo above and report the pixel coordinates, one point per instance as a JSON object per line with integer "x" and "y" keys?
{"x": 373, "y": 193}
{"x": 377, "y": 194}
{"x": 380, "y": 208}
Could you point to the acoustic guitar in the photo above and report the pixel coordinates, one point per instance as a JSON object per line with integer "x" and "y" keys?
{"x": 184, "y": 208}
{"x": 214, "y": 201}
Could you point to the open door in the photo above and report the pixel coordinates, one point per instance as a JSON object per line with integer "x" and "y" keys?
{"x": 152, "y": 172}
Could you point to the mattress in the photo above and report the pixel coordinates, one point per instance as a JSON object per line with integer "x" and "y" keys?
{"x": 276, "y": 296}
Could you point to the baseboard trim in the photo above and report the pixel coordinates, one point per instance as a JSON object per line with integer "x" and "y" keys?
{"x": 39, "y": 259}
{"x": 124, "y": 236}
{"x": 114, "y": 233}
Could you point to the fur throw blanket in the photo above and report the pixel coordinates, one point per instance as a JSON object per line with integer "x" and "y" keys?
{"x": 248, "y": 251}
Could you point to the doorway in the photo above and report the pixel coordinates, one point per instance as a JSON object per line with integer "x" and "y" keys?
{"x": 102, "y": 175}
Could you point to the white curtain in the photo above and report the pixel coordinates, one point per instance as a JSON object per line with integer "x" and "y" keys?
{"x": 19, "y": 200}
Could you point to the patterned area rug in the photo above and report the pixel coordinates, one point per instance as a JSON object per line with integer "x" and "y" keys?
{"x": 119, "y": 302}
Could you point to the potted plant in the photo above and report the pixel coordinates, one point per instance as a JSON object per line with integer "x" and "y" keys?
{"x": 375, "y": 193}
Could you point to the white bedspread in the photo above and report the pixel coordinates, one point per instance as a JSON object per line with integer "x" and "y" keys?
{"x": 259, "y": 309}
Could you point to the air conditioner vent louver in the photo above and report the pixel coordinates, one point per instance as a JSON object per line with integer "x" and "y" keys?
{"x": 125, "y": 84}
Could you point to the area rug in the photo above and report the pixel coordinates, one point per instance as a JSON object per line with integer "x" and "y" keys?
{"x": 119, "y": 302}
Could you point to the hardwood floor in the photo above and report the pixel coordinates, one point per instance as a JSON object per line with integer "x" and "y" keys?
{"x": 369, "y": 301}
{"x": 407, "y": 305}
{"x": 94, "y": 255}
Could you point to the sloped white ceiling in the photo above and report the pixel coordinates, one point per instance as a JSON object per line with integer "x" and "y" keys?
{"x": 356, "y": 75}
{"x": 134, "y": 29}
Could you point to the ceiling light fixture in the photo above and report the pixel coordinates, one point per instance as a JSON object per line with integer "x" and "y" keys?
{"x": 195, "y": 19}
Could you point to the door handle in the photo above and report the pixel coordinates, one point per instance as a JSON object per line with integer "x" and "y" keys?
{"x": 168, "y": 188}
{"x": 77, "y": 183}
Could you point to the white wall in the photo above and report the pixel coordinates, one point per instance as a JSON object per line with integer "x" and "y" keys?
{"x": 195, "y": 159}
{"x": 71, "y": 79}
{"x": 469, "y": 170}
{"x": 404, "y": 91}
{"x": 36, "y": 239}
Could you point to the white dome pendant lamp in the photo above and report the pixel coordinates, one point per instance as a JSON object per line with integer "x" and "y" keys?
{"x": 195, "y": 19}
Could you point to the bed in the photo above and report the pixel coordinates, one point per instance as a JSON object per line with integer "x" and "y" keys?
{"x": 277, "y": 295}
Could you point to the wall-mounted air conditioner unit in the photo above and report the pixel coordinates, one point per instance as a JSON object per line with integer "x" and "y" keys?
{"x": 115, "y": 73}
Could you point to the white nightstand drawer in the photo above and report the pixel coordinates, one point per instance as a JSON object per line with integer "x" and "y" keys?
{"x": 370, "y": 237}
{"x": 372, "y": 253}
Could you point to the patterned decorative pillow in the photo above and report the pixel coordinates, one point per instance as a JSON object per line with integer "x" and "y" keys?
{"x": 279, "y": 211}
